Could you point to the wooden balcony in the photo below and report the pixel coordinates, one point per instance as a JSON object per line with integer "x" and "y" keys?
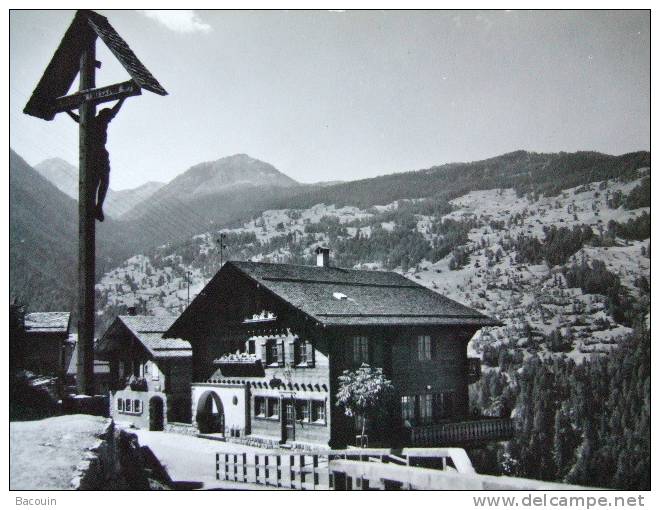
{"x": 465, "y": 432}
{"x": 239, "y": 364}
{"x": 237, "y": 359}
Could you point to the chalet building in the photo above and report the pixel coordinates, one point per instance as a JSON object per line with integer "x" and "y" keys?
{"x": 149, "y": 374}
{"x": 270, "y": 340}
{"x": 101, "y": 373}
{"x": 41, "y": 343}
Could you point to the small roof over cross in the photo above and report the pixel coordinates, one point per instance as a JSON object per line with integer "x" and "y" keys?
{"x": 49, "y": 97}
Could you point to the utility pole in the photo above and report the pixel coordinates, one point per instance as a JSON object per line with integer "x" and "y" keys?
{"x": 86, "y": 226}
{"x": 188, "y": 275}
{"x": 221, "y": 245}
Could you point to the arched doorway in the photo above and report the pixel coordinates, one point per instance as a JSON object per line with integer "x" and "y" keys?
{"x": 210, "y": 414}
{"x": 156, "y": 415}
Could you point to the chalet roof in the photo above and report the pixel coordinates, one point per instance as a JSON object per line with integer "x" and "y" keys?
{"x": 47, "y": 322}
{"x": 149, "y": 332}
{"x": 349, "y": 297}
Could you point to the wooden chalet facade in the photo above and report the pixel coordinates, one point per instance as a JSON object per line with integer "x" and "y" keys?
{"x": 149, "y": 375}
{"x": 270, "y": 340}
{"x": 41, "y": 343}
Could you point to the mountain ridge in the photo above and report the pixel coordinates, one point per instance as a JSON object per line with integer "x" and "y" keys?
{"x": 64, "y": 176}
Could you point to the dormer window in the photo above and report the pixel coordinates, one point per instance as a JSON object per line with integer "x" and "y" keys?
{"x": 340, "y": 296}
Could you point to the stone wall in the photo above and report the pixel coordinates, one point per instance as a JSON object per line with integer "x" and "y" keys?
{"x": 115, "y": 462}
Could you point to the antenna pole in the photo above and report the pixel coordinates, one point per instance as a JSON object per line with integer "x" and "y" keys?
{"x": 188, "y": 273}
{"x": 86, "y": 226}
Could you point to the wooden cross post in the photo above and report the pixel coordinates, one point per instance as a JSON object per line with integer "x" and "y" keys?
{"x": 76, "y": 55}
{"x": 86, "y": 227}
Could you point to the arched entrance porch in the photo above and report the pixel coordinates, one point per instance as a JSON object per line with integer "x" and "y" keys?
{"x": 156, "y": 414}
{"x": 210, "y": 414}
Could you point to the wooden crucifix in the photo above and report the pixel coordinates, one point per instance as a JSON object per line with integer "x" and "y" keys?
{"x": 75, "y": 55}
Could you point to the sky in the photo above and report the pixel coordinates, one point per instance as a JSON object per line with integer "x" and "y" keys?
{"x": 345, "y": 95}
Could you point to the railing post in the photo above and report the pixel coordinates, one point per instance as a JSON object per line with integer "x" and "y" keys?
{"x": 302, "y": 473}
{"x": 278, "y": 470}
{"x": 245, "y": 468}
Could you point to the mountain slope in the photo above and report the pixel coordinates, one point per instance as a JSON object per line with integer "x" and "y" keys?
{"x": 228, "y": 172}
{"x": 207, "y": 195}
{"x": 526, "y": 172}
{"x": 64, "y": 176}
{"x": 43, "y": 241}
{"x": 118, "y": 203}
{"x": 474, "y": 250}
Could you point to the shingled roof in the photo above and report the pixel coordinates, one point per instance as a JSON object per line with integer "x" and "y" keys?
{"x": 149, "y": 332}
{"x": 47, "y": 322}
{"x": 348, "y": 297}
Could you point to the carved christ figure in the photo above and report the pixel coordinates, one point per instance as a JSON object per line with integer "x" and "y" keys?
{"x": 99, "y": 157}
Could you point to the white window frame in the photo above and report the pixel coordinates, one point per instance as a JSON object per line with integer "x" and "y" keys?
{"x": 424, "y": 348}
{"x": 360, "y": 344}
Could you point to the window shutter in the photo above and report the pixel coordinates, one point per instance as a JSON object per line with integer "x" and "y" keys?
{"x": 280, "y": 353}
{"x": 310, "y": 353}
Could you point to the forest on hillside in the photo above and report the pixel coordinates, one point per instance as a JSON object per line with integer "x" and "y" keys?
{"x": 587, "y": 424}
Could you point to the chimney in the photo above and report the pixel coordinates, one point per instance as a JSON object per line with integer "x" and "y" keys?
{"x": 322, "y": 256}
{"x": 132, "y": 310}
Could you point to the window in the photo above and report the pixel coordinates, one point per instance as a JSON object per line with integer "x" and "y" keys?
{"x": 360, "y": 349}
{"x": 155, "y": 373}
{"x": 426, "y": 409}
{"x": 251, "y": 347}
{"x": 275, "y": 352}
{"x": 408, "y": 409}
{"x": 120, "y": 404}
{"x": 127, "y": 405}
{"x": 423, "y": 347}
{"x": 357, "y": 423}
{"x": 273, "y": 408}
{"x": 302, "y": 410}
{"x": 260, "y": 407}
{"x": 318, "y": 411}
{"x": 444, "y": 404}
{"x": 137, "y": 406}
{"x": 304, "y": 353}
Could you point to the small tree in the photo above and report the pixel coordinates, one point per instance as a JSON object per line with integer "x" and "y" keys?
{"x": 361, "y": 391}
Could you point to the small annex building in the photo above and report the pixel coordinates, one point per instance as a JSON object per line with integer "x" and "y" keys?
{"x": 149, "y": 375}
{"x": 43, "y": 344}
{"x": 269, "y": 342}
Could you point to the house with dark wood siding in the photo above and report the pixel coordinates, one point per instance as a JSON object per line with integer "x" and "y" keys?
{"x": 149, "y": 375}
{"x": 270, "y": 340}
{"x": 41, "y": 343}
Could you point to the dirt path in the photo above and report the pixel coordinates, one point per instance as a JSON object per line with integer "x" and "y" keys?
{"x": 43, "y": 454}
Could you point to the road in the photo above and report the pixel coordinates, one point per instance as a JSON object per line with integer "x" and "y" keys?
{"x": 190, "y": 461}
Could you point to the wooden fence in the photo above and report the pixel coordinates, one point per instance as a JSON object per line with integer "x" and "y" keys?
{"x": 290, "y": 471}
{"x": 311, "y": 470}
{"x": 367, "y": 469}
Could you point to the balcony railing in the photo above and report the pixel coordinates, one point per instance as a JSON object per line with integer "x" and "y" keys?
{"x": 237, "y": 359}
{"x": 473, "y": 431}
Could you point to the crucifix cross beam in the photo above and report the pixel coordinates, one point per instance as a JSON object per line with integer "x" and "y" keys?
{"x": 95, "y": 96}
